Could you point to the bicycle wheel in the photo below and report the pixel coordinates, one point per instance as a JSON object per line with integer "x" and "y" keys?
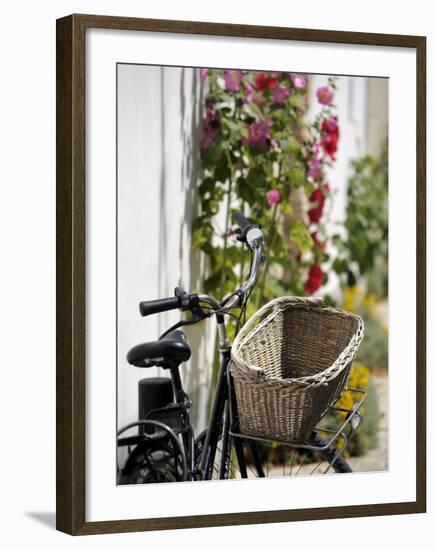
{"x": 152, "y": 463}
{"x": 277, "y": 460}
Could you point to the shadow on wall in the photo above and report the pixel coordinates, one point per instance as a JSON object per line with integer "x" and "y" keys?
{"x": 197, "y": 373}
{"x": 162, "y": 271}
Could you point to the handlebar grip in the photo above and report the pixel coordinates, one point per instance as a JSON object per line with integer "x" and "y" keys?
{"x": 241, "y": 221}
{"x": 158, "y": 306}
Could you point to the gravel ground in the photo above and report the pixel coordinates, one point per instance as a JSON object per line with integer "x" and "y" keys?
{"x": 376, "y": 459}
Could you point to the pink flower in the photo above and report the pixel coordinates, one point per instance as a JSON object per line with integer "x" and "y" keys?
{"x": 208, "y": 136}
{"x": 209, "y": 111}
{"x": 316, "y": 149}
{"x": 299, "y": 80}
{"x": 273, "y": 197}
{"x": 325, "y": 95}
{"x": 251, "y": 96}
{"x": 232, "y": 80}
{"x": 280, "y": 94}
{"x": 203, "y": 74}
{"x": 330, "y": 124}
{"x": 315, "y": 168}
{"x": 248, "y": 88}
{"x": 258, "y": 134}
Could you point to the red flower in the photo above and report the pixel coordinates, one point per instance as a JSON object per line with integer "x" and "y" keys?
{"x": 318, "y": 243}
{"x": 316, "y": 212}
{"x": 330, "y": 136}
{"x": 264, "y": 81}
{"x": 315, "y": 279}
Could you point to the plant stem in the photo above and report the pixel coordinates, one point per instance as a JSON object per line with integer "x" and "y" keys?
{"x": 228, "y": 208}
{"x": 216, "y": 362}
{"x": 243, "y": 253}
{"x": 272, "y": 237}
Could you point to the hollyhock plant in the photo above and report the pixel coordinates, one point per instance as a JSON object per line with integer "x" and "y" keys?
{"x": 248, "y": 88}
{"x": 280, "y": 94}
{"x": 232, "y": 80}
{"x": 203, "y": 74}
{"x": 315, "y": 213}
{"x": 209, "y": 132}
{"x": 317, "y": 242}
{"x": 208, "y": 135}
{"x": 258, "y": 134}
{"x": 299, "y": 80}
{"x": 209, "y": 111}
{"x": 264, "y": 81}
{"x": 330, "y": 125}
{"x": 273, "y": 197}
{"x": 315, "y": 168}
{"x": 314, "y": 280}
{"x": 325, "y": 95}
{"x": 264, "y": 152}
{"x": 257, "y": 99}
{"x": 330, "y": 136}
{"x": 250, "y": 96}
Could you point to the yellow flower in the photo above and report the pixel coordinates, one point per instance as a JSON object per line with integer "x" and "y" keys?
{"x": 350, "y": 298}
{"x": 358, "y": 378}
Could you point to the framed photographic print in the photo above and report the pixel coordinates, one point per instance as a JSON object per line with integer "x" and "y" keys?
{"x": 240, "y": 274}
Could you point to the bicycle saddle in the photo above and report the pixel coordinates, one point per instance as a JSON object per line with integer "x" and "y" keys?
{"x": 170, "y": 351}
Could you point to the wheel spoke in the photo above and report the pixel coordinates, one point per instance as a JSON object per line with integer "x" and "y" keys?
{"x": 300, "y": 467}
{"x": 316, "y": 467}
{"x": 293, "y": 456}
{"x": 293, "y": 461}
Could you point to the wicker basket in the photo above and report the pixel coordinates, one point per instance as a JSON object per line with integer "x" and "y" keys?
{"x": 290, "y": 363}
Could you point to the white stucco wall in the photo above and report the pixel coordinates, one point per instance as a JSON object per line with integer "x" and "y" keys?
{"x": 158, "y": 122}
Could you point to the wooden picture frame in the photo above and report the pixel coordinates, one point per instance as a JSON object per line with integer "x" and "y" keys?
{"x": 71, "y": 253}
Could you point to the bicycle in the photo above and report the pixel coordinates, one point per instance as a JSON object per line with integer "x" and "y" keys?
{"x": 165, "y": 448}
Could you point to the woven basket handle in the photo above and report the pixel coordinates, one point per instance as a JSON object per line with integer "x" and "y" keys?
{"x": 271, "y": 307}
{"x": 275, "y": 304}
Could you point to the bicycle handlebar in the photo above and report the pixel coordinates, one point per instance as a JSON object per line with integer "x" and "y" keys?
{"x": 251, "y": 233}
{"x": 158, "y": 306}
{"x": 241, "y": 221}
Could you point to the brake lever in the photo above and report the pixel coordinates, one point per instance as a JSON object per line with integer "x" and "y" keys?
{"x": 199, "y": 313}
{"x": 184, "y": 299}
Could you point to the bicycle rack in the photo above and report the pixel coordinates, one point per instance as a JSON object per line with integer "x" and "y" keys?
{"x": 345, "y": 429}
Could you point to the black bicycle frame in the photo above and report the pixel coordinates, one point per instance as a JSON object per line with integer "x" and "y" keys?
{"x": 219, "y": 426}
{"x": 215, "y": 425}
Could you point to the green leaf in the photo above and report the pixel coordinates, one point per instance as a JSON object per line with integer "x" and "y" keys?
{"x": 253, "y": 110}
{"x": 234, "y": 127}
{"x": 286, "y": 208}
{"x": 301, "y": 236}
